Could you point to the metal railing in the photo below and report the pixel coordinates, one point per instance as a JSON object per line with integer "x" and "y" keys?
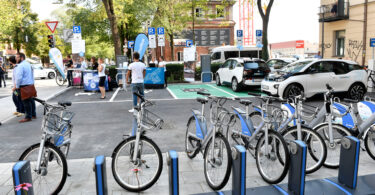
{"x": 334, "y": 12}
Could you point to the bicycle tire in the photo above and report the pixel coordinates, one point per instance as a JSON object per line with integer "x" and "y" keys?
{"x": 340, "y": 130}
{"x": 115, "y": 156}
{"x": 306, "y": 130}
{"x": 221, "y": 184}
{"x": 60, "y": 155}
{"x": 191, "y": 153}
{"x": 370, "y": 149}
{"x": 59, "y": 79}
{"x": 284, "y": 163}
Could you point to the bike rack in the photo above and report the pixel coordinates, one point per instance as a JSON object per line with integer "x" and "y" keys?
{"x": 172, "y": 162}
{"x": 349, "y": 158}
{"x": 22, "y": 174}
{"x": 100, "y": 175}
{"x": 297, "y": 167}
{"x": 239, "y": 170}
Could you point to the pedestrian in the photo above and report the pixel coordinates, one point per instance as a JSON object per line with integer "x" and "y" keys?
{"x": 94, "y": 64}
{"x": 83, "y": 63}
{"x": 162, "y": 64}
{"x": 153, "y": 62}
{"x": 318, "y": 56}
{"x": 16, "y": 95}
{"x": 101, "y": 73}
{"x": 137, "y": 70}
{"x": 25, "y": 83}
{"x": 69, "y": 66}
{"x": 2, "y": 73}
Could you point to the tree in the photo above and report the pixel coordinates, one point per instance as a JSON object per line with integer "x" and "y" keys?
{"x": 265, "y": 14}
{"x": 108, "y": 4}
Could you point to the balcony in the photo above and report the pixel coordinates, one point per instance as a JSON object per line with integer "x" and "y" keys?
{"x": 334, "y": 12}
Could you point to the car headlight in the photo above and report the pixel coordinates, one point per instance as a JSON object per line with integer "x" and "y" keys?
{"x": 280, "y": 79}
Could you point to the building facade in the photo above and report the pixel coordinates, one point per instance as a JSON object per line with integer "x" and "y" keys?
{"x": 346, "y": 28}
{"x": 293, "y": 49}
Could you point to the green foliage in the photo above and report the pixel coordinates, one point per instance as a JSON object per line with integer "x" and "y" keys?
{"x": 214, "y": 68}
{"x": 175, "y": 72}
{"x": 112, "y": 71}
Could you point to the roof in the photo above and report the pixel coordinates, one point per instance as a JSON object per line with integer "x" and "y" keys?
{"x": 242, "y": 60}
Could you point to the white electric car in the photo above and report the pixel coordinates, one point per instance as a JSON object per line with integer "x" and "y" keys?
{"x": 311, "y": 76}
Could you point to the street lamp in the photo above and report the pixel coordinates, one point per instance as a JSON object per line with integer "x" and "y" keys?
{"x": 322, "y": 11}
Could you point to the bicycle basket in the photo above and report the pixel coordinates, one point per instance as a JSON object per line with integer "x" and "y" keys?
{"x": 55, "y": 121}
{"x": 151, "y": 120}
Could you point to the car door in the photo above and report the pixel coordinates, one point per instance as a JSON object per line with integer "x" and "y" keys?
{"x": 341, "y": 80}
{"x": 317, "y": 76}
{"x": 224, "y": 71}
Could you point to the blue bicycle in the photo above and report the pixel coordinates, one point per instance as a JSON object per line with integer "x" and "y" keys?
{"x": 210, "y": 141}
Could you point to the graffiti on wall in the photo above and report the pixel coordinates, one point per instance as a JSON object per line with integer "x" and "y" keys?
{"x": 354, "y": 49}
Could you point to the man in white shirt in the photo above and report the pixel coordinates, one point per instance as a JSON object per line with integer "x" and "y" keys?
{"x": 137, "y": 70}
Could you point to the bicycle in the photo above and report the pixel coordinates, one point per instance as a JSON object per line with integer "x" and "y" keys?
{"x": 60, "y": 80}
{"x": 210, "y": 141}
{"x": 48, "y": 158}
{"x": 137, "y": 160}
{"x": 245, "y": 133}
{"x": 315, "y": 143}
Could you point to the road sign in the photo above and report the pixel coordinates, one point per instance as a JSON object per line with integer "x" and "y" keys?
{"x": 161, "y": 40}
{"x": 68, "y": 35}
{"x": 161, "y": 31}
{"x": 372, "y": 42}
{"x": 77, "y": 29}
{"x": 130, "y": 44}
{"x": 240, "y": 39}
{"x": 151, "y": 31}
{"x": 78, "y": 46}
{"x": 239, "y": 33}
{"x": 259, "y": 45}
{"x": 189, "y": 43}
{"x": 52, "y": 25}
{"x": 259, "y": 33}
{"x": 259, "y": 37}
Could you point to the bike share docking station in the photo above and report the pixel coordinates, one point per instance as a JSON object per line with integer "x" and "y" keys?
{"x": 22, "y": 175}
{"x": 172, "y": 162}
{"x": 346, "y": 183}
{"x": 100, "y": 175}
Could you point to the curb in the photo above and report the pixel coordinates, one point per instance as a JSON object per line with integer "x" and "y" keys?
{"x": 48, "y": 98}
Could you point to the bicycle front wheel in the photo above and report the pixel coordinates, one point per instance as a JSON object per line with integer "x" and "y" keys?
{"x": 141, "y": 174}
{"x": 333, "y": 149}
{"x": 217, "y": 162}
{"x": 315, "y": 146}
{"x": 370, "y": 143}
{"x": 272, "y": 158}
{"x": 51, "y": 177}
{"x": 59, "y": 79}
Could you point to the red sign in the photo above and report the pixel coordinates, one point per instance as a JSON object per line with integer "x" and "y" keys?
{"x": 52, "y": 25}
{"x": 300, "y": 44}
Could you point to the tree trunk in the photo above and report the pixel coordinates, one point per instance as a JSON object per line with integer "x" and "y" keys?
{"x": 265, "y": 18}
{"x": 172, "y": 45}
{"x": 108, "y": 4}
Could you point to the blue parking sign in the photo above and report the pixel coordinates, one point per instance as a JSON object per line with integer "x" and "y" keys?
{"x": 76, "y": 29}
{"x": 372, "y": 42}
{"x": 161, "y": 31}
{"x": 239, "y": 33}
{"x": 130, "y": 44}
{"x": 189, "y": 43}
{"x": 151, "y": 31}
{"x": 259, "y": 33}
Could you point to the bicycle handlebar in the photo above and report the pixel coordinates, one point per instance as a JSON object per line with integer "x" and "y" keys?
{"x": 40, "y": 101}
{"x": 351, "y": 100}
{"x": 203, "y": 93}
{"x": 139, "y": 95}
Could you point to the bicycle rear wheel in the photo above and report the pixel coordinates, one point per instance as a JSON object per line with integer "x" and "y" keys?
{"x": 273, "y": 166}
{"x": 52, "y": 175}
{"x": 139, "y": 175}
{"x": 191, "y": 142}
{"x": 217, "y": 162}
{"x": 59, "y": 79}
{"x": 370, "y": 143}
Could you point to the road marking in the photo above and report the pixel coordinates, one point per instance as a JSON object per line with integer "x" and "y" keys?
{"x": 148, "y": 91}
{"x": 120, "y": 101}
{"x": 84, "y": 93}
{"x": 114, "y": 95}
{"x": 222, "y": 90}
{"x": 172, "y": 94}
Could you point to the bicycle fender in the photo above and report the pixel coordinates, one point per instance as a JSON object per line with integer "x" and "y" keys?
{"x": 125, "y": 140}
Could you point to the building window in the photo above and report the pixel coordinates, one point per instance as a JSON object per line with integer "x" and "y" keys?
{"x": 180, "y": 56}
{"x": 340, "y": 43}
{"x": 198, "y": 12}
{"x": 219, "y": 12}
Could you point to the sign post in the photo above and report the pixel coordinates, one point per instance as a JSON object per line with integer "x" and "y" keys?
{"x": 151, "y": 37}
{"x": 77, "y": 32}
{"x": 239, "y": 41}
{"x": 259, "y": 37}
{"x": 161, "y": 39}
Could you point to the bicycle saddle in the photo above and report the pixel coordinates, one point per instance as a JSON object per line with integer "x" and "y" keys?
{"x": 202, "y": 100}
{"x": 245, "y": 102}
{"x": 351, "y": 100}
{"x": 65, "y": 103}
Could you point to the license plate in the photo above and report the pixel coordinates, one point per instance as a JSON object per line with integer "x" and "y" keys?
{"x": 265, "y": 87}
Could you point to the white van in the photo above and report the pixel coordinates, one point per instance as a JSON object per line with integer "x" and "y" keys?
{"x": 220, "y": 54}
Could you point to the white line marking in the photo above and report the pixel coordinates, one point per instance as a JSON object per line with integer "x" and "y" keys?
{"x": 120, "y": 101}
{"x": 115, "y": 94}
{"x": 172, "y": 94}
{"x": 222, "y": 90}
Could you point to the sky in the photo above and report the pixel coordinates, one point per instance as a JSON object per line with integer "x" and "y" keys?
{"x": 290, "y": 19}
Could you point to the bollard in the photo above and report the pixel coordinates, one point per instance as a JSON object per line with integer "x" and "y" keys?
{"x": 349, "y": 157}
{"x": 297, "y": 167}
{"x": 100, "y": 175}
{"x": 239, "y": 170}
{"x": 172, "y": 162}
{"x": 21, "y": 175}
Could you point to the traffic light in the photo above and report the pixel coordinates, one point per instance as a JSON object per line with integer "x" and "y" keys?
{"x": 51, "y": 41}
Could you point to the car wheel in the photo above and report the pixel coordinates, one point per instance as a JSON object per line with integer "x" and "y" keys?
{"x": 356, "y": 92}
{"x": 51, "y": 75}
{"x": 293, "y": 90}
{"x": 218, "y": 80}
{"x": 235, "y": 85}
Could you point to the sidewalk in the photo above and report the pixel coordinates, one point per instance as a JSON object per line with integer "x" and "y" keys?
{"x": 46, "y": 89}
{"x": 191, "y": 176}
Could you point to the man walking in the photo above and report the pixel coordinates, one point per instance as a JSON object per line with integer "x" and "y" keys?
{"x": 25, "y": 78}
{"x": 2, "y": 73}
{"x": 69, "y": 66}
{"x": 20, "y": 110}
{"x": 137, "y": 70}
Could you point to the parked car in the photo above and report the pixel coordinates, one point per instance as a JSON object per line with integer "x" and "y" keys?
{"x": 311, "y": 76}
{"x": 278, "y": 63}
{"x": 39, "y": 70}
{"x": 239, "y": 72}
{"x": 222, "y": 53}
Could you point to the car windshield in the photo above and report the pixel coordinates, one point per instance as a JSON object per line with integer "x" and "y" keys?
{"x": 295, "y": 67}
{"x": 255, "y": 65}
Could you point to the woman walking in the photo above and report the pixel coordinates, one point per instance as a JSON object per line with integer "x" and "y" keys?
{"x": 101, "y": 72}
